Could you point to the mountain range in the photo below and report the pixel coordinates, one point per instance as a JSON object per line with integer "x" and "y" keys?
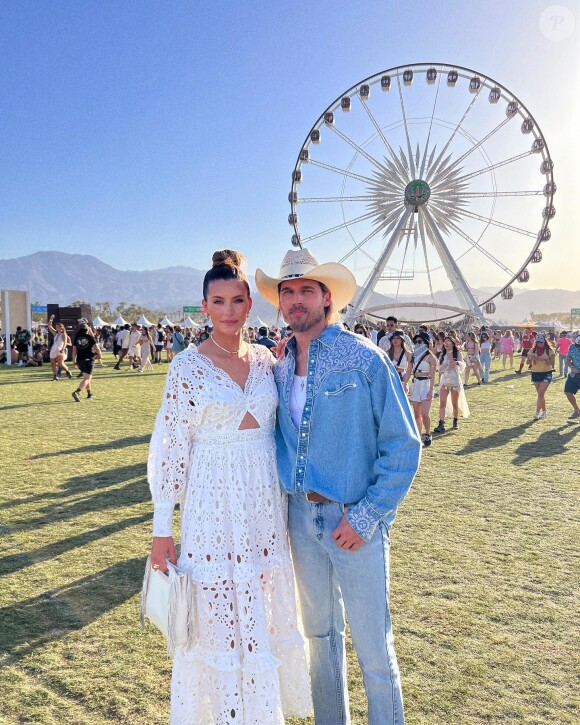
{"x": 57, "y": 277}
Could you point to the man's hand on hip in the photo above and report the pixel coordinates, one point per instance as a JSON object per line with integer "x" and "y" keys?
{"x": 346, "y": 537}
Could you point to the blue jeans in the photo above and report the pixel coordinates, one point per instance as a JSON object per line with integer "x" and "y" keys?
{"x": 485, "y": 359}
{"x": 331, "y": 579}
{"x": 563, "y": 364}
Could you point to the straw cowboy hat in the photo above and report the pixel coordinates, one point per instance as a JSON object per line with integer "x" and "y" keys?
{"x": 300, "y": 263}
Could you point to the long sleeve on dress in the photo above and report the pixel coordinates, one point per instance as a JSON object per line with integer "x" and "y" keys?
{"x": 170, "y": 447}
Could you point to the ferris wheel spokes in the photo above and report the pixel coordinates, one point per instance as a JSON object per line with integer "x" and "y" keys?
{"x": 457, "y": 280}
{"x": 367, "y": 289}
{"x": 395, "y": 158}
{"x": 496, "y": 223}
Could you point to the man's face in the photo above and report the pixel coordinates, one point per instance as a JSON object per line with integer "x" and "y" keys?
{"x": 391, "y": 325}
{"x": 302, "y": 303}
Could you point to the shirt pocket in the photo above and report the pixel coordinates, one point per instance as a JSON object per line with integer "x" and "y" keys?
{"x": 340, "y": 390}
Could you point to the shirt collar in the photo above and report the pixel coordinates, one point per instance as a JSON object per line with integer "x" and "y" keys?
{"x": 327, "y": 337}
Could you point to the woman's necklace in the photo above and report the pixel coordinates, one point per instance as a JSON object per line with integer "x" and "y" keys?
{"x": 230, "y": 352}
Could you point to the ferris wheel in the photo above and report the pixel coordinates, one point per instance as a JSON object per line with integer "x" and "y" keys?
{"x": 433, "y": 183}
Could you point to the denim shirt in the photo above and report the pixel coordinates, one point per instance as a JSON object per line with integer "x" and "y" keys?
{"x": 357, "y": 443}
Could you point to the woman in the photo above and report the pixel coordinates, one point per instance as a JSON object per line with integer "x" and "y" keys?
{"x": 146, "y": 345}
{"x": 485, "y": 356}
{"x": 472, "y": 350}
{"x": 169, "y": 343}
{"x": 361, "y": 330}
{"x": 496, "y": 344}
{"x": 213, "y": 450}
{"x": 400, "y": 355}
{"x": 58, "y": 351}
{"x": 541, "y": 359}
{"x": 422, "y": 368}
{"x": 451, "y": 366}
{"x": 507, "y": 348}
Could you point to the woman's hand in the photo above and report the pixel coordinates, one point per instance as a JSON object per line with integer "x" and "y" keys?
{"x": 162, "y": 549}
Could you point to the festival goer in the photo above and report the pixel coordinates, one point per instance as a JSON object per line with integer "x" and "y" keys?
{"x": 401, "y": 356}
{"x": 496, "y": 344}
{"x": 263, "y": 339}
{"x": 507, "y": 349}
{"x": 58, "y": 351}
{"x": 541, "y": 359}
{"x": 22, "y": 341}
{"x": 572, "y": 385}
{"x": 472, "y": 362}
{"x": 360, "y": 329}
{"x": 84, "y": 351}
{"x": 382, "y": 332}
{"x": 123, "y": 341}
{"x": 422, "y": 369}
{"x": 451, "y": 365}
{"x": 347, "y": 453}
{"x": 134, "y": 351}
{"x": 526, "y": 344}
{"x": 562, "y": 348}
{"x": 169, "y": 342}
{"x": 485, "y": 356}
{"x": 159, "y": 341}
{"x": 146, "y": 346}
{"x": 213, "y": 449}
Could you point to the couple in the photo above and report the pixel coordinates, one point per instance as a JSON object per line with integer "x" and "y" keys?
{"x": 330, "y": 423}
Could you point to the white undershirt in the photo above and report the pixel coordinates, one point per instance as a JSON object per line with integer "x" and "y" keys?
{"x": 297, "y": 398}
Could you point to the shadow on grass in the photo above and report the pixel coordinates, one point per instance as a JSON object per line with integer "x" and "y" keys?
{"x": 86, "y": 483}
{"x": 495, "y": 440}
{"x": 28, "y": 624}
{"x": 35, "y": 405}
{"x": 108, "y": 446}
{"x": 129, "y": 495}
{"x": 548, "y": 444}
{"x": 15, "y": 562}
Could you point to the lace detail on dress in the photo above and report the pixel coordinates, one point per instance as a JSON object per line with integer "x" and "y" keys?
{"x": 244, "y": 661}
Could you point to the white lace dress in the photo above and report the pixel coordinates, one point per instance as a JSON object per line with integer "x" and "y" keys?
{"x": 246, "y": 662}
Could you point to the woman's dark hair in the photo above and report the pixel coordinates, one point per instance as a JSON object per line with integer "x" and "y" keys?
{"x": 363, "y": 330}
{"x": 226, "y": 264}
{"x": 391, "y": 350}
{"x": 444, "y": 351}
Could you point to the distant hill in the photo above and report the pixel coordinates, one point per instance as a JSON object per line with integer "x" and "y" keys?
{"x": 61, "y": 278}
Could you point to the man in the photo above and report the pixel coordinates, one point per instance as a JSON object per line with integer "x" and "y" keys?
{"x": 348, "y": 450}
{"x": 22, "y": 340}
{"x": 563, "y": 347}
{"x": 572, "y": 385}
{"x": 382, "y": 332}
{"x": 392, "y": 326}
{"x": 159, "y": 342}
{"x": 84, "y": 350}
{"x": 263, "y": 339}
{"x": 123, "y": 343}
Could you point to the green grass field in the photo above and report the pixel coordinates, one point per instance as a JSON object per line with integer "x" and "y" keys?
{"x": 484, "y": 560}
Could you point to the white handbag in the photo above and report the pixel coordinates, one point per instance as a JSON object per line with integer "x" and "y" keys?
{"x": 167, "y": 601}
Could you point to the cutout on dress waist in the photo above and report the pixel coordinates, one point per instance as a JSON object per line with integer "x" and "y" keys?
{"x": 249, "y": 422}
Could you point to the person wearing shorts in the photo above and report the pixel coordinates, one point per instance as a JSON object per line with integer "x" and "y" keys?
{"x": 572, "y": 385}
{"x": 541, "y": 360}
{"x": 422, "y": 370}
{"x": 84, "y": 351}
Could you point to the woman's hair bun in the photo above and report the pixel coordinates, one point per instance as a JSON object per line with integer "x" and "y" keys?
{"x": 229, "y": 257}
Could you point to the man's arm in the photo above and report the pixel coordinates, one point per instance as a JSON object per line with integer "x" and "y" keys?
{"x": 398, "y": 452}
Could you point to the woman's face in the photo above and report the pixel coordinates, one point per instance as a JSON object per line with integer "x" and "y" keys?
{"x": 228, "y": 304}
{"x": 396, "y": 341}
{"x": 448, "y": 343}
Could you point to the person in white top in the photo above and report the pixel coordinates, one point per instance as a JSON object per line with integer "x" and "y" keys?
{"x": 58, "y": 351}
{"x": 123, "y": 341}
{"x": 134, "y": 352}
{"x": 213, "y": 450}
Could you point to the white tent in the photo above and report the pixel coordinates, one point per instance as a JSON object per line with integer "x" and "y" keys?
{"x": 166, "y": 322}
{"x": 120, "y": 321}
{"x": 257, "y": 322}
{"x": 557, "y": 325}
{"x": 99, "y": 322}
{"x": 188, "y": 322}
{"x": 144, "y": 321}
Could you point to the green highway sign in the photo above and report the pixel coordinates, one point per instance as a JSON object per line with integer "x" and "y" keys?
{"x": 575, "y": 311}
{"x": 187, "y": 310}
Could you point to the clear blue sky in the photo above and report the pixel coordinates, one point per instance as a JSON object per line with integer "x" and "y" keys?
{"x": 150, "y": 133}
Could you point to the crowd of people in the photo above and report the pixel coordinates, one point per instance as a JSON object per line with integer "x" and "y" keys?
{"x": 432, "y": 363}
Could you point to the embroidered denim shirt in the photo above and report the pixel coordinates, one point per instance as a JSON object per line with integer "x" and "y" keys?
{"x": 357, "y": 443}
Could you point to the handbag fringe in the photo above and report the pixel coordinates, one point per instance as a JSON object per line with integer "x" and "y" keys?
{"x": 144, "y": 590}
